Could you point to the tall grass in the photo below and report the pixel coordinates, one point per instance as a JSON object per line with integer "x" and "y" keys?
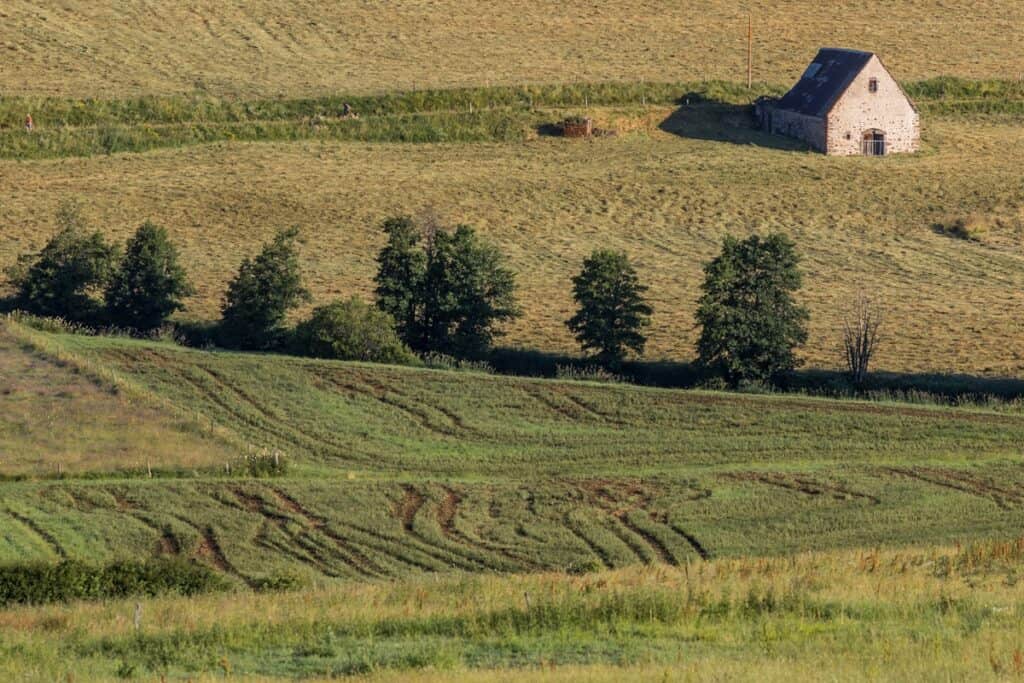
{"x": 932, "y": 613}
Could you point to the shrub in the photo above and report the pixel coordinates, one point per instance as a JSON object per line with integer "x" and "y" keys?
{"x": 276, "y": 582}
{"x": 39, "y": 583}
{"x": 265, "y": 464}
{"x": 261, "y": 294}
{"x": 149, "y": 285}
{"x": 61, "y": 281}
{"x": 589, "y": 373}
{"x": 440, "y": 361}
{"x": 971, "y": 228}
{"x": 750, "y": 324}
{"x": 612, "y": 311}
{"x": 351, "y": 330}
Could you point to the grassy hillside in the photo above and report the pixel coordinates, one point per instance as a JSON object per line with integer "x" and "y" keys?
{"x": 914, "y": 614}
{"x": 268, "y": 48}
{"x": 666, "y": 194}
{"x": 54, "y": 419}
{"x": 399, "y": 471}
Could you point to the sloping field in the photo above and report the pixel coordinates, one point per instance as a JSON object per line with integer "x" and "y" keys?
{"x": 262, "y": 47}
{"x": 412, "y": 423}
{"x": 665, "y": 196}
{"x": 53, "y": 420}
{"x": 400, "y": 471}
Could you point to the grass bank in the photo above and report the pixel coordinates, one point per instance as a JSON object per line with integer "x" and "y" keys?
{"x": 921, "y": 613}
{"x": 70, "y": 128}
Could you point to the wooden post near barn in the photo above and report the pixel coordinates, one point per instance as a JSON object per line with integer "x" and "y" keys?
{"x": 750, "y": 51}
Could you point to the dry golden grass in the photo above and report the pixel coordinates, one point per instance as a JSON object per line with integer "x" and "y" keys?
{"x": 667, "y": 200}
{"x": 54, "y": 416}
{"x": 266, "y": 47}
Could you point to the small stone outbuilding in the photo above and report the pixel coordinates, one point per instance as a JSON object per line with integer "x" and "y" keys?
{"x": 846, "y": 103}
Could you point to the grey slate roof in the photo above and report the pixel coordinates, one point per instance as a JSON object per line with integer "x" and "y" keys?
{"x": 819, "y": 87}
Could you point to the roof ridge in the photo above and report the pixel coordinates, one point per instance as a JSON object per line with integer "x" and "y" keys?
{"x": 849, "y": 50}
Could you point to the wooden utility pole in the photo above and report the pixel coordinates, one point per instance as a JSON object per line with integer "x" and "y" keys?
{"x": 750, "y": 51}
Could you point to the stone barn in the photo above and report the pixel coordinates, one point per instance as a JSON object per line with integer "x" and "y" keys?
{"x": 846, "y": 103}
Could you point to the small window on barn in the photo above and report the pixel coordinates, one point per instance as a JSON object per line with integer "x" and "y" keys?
{"x": 873, "y": 85}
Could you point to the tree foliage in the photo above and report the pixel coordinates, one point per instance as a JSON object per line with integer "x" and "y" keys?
{"x": 401, "y": 265}
{"x": 65, "y": 277}
{"x": 150, "y": 284}
{"x": 611, "y": 311}
{"x": 448, "y": 293}
{"x": 261, "y": 294}
{"x": 351, "y": 330}
{"x": 750, "y": 323}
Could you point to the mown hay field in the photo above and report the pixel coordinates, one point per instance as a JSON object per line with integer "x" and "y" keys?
{"x": 267, "y": 48}
{"x": 398, "y": 471}
{"x": 666, "y": 193}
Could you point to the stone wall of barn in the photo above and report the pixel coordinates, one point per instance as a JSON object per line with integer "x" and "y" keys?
{"x": 791, "y": 124}
{"x": 859, "y": 110}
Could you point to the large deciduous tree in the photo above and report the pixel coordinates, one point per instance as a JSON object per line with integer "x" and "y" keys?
{"x": 400, "y": 269}
{"x": 448, "y": 292}
{"x": 750, "y": 323}
{"x": 65, "y": 278}
{"x": 149, "y": 284}
{"x": 261, "y": 294}
{"x": 611, "y": 311}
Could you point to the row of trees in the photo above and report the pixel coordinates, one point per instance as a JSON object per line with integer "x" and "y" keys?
{"x": 438, "y": 291}
{"x": 80, "y": 277}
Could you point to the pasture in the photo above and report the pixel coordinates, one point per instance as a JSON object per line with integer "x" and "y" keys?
{"x": 397, "y": 471}
{"x": 667, "y": 193}
{"x": 265, "y": 48}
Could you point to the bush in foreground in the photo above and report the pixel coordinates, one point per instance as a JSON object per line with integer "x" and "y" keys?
{"x": 351, "y": 330}
{"x": 39, "y": 583}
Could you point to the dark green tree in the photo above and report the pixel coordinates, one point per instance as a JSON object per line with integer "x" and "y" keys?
{"x": 65, "y": 278}
{"x": 400, "y": 268}
{"x": 150, "y": 284}
{"x": 261, "y": 294}
{"x": 467, "y": 293}
{"x": 448, "y": 293}
{"x": 351, "y": 330}
{"x": 750, "y": 323}
{"x": 611, "y": 309}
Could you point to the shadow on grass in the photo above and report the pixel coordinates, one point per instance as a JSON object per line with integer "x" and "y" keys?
{"x": 914, "y": 387}
{"x": 8, "y": 304}
{"x": 699, "y": 118}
